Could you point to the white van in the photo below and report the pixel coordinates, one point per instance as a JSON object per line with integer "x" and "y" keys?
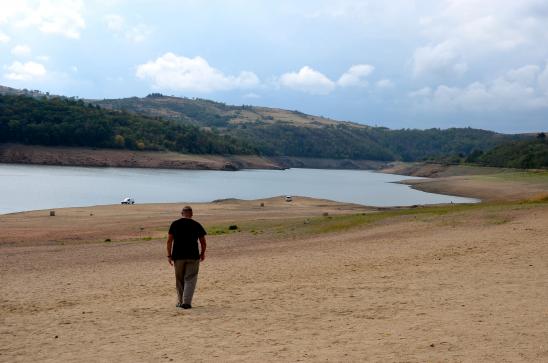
{"x": 128, "y": 201}
{"x": 288, "y": 198}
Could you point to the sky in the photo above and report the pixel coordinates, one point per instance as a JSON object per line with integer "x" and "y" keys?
{"x": 397, "y": 63}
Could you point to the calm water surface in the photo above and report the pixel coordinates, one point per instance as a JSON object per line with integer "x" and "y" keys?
{"x": 24, "y": 187}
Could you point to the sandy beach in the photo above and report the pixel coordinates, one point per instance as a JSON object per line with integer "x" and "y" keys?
{"x": 485, "y": 183}
{"x": 309, "y": 280}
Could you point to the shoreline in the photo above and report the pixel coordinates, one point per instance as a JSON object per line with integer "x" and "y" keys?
{"x": 121, "y": 158}
{"x": 477, "y": 182}
{"x": 488, "y": 184}
{"x": 408, "y": 198}
{"x": 436, "y": 283}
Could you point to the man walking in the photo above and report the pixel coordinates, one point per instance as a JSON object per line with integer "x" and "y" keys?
{"x": 182, "y": 252}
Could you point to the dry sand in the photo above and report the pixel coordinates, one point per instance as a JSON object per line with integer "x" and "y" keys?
{"x": 428, "y": 284}
{"x": 485, "y": 188}
{"x": 485, "y": 183}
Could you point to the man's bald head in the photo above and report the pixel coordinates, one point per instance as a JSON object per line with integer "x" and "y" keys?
{"x": 187, "y": 211}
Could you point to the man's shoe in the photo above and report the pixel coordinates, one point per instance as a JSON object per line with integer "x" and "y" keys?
{"x": 179, "y": 305}
{"x": 186, "y": 306}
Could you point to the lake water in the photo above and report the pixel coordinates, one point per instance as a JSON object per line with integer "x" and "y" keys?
{"x": 30, "y": 187}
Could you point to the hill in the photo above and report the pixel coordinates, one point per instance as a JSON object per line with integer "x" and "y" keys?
{"x": 159, "y": 122}
{"x": 278, "y": 132}
{"x": 8, "y": 91}
{"x": 55, "y": 121}
{"x": 204, "y": 112}
{"x": 527, "y": 154}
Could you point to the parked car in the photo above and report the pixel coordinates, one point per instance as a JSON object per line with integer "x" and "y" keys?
{"x": 128, "y": 201}
{"x": 288, "y": 198}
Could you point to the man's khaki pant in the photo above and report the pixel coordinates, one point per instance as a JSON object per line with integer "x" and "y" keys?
{"x": 186, "y": 276}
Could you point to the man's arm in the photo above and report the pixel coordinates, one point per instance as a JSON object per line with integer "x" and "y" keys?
{"x": 203, "y": 246}
{"x": 169, "y": 248}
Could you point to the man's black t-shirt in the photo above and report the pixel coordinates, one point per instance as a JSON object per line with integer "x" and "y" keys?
{"x": 185, "y": 233}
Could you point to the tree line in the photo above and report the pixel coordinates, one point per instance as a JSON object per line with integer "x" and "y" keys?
{"x": 526, "y": 154}
{"x": 61, "y": 121}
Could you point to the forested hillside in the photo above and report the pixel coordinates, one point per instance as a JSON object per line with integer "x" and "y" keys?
{"x": 530, "y": 154}
{"x": 376, "y": 143}
{"x": 64, "y": 122}
{"x": 293, "y": 133}
{"x": 158, "y": 122}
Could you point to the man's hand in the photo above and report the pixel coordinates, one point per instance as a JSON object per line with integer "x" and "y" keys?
{"x": 169, "y": 246}
{"x": 203, "y": 247}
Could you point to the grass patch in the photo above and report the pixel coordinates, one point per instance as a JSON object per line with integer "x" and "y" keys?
{"x": 297, "y": 227}
{"x": 540, "y": 176}
{"x": 345, "y": 222}
{"x": 220, "y": 230}
{"x": 497, "y": 220}
{"x": 339, "y": 223}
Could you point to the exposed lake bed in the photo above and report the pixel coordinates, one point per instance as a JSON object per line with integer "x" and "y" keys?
{"x": 97, "y": 274}
{"x": 93, "y": 283}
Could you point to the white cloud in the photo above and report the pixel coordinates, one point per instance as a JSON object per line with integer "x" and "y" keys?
{"x": 311, "y": 81}
{"x": 62, "y": 17}
{"x": 115, "y": 79}
{"x": 385, "y": 83}
{"x": 355, "y": 75}
{"x": 460, "y": 68}
{"x": 25, "y": 71}
{"x": 491, "y": 30}
{"x": 138, "y": 33}
{"x": 307, "y": 80}
{"x": 523, "y": 88}
{"x": 460, "y": 33}
{"x": 43, "y": 58}
{"x": 434, "y": 57}
{"x": 526, "y": 75}
{"x": 4, "y": 38}
{"x": 252, "y": 95}
{"x": 172, "y": 72}
{"x": 423, "y": 92}
{"x": 338, "y": 9}
{"x": 10, "y": 9}
{"x": 359, "y": 11}
{"x": 543, "y": 80}
{"x": 135, "y": 34}
{"x": 115, "y": 22}
{"x": 425, "y": 20}
{"x": 21, "y": 51}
